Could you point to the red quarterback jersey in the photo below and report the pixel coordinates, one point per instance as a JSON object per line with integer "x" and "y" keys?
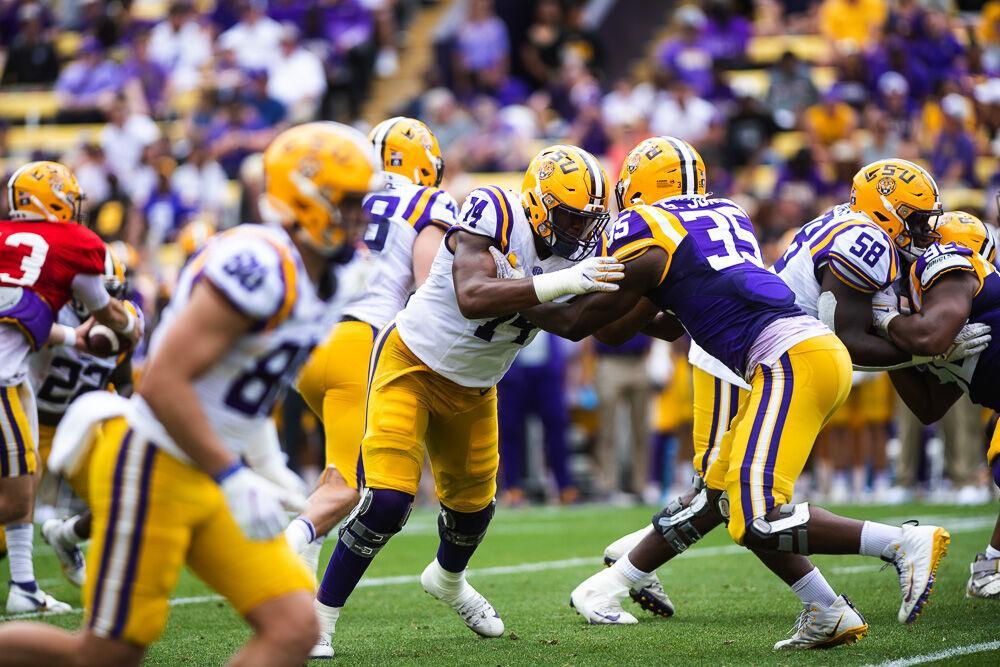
{"x": 44, "y": 257}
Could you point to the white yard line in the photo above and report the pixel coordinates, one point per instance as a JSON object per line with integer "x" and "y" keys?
{"x": 940, "y": 655}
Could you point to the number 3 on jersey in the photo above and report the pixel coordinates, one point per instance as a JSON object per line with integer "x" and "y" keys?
{"x": 31, "y": 264}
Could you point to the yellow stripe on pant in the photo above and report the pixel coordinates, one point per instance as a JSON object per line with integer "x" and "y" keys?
{"x": 763, "y": 453}
{"x": 413, "y": 410}
{"x": 715, "y": 405}
{"x": 17, "y": 431}
{"x": 152, "y": 515}
{"x": 333, "y": 384}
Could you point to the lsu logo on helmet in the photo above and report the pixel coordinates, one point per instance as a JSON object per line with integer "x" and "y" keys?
{"x": 44, "y": 191}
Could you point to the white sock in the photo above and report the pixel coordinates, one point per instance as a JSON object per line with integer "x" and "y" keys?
{"x": 991, "y": 552}
{"x": 310, "y": 554}
{"x": 630, "y": 571}
{"x": 813, "y": 588}
{"x": 877, "y": 537}
{"x": 19, "y": 538}
{"x": 67, "y": 531}
{"x": 327, "y": 617}
{"x": 299, "y": 533}
{"x": 451, "y": 584}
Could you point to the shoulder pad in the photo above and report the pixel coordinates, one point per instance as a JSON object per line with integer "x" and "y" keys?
{"x": 939, "y": 260}
{"x": 255, "y": 276}
{"x": 487, "y": 211}
{"x": 864, "y": 257}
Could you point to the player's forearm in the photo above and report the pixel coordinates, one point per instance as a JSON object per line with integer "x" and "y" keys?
{"x": 485, "y": 297}
{"x": 871, "y": 351}
{"x": 920, "y": 334}
{"x": 113, "y": 315}
{"x": 665, "y": 327}
{"x": 175, "y": 404}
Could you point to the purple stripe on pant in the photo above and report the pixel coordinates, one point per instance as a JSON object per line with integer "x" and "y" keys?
{"x": 779, "y": 426}
{"x": 745, "y": 499}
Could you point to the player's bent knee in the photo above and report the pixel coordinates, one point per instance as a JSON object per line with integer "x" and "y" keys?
{"x": 465, "y": 529}
{"x": 289, "y": 622}
{"x": 685, "y": 521}
{"x": 380, "y": 514}
{"x": 92, "y": 651}
{"x": 783, "y": 529}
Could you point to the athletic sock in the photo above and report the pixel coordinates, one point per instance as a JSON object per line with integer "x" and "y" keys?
{"x": 454, "y": 555}
{"x": 991, "y": 552}
{"x": 342, "y": 575}
{"x": 300, "y": 533}
{"x": 877, "y": 537}
{"x": 68, "y": 533}
{"x": 630, "y": 571}
{"x": 310, "y": 555}
{"x": 327, "y": 617}
{"x": 450, "y": 584}
{"x": 813, "y": 588}
{"x": 22, "y": 570}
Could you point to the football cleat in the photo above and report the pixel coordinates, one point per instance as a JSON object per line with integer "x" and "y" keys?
{"x": 984, "y": 578}
{"x": 475, "y": 610}
{"x": 323, "y": 650}
{"x": 826, "y": 627}
{"x": 916, "y": 558}
{"x": 650, "y": 595}
{"x": 70, "y": 556}
{"x": 21, "y": 601}
{"x": 599, "y": 599}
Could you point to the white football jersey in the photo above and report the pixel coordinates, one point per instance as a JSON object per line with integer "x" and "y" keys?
{"x": 60, "y": 374}
{"x": 849, "y": 244}
{"x": 474, "y": 353}
{"x": 259, "y": 271}
{"x": 398, "y": 213}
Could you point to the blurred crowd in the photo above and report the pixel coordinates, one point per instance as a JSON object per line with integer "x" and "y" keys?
{"x": 784, "y": 99}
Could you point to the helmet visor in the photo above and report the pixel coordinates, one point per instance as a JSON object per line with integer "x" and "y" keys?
{"x": 921, "y": 224}
{"x": 575, "y": 234}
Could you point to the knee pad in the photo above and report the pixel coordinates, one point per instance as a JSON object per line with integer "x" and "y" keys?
{"x": 787, "y": 533}
{"x": 676, "y": 523}
{"x": 465, "y": 529}
{"x": 381, "y": 514}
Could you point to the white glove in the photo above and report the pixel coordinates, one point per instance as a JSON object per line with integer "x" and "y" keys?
{"x": 256, "y": 503}
{"x": 970, "y": 341}
{"x": 294, "y": 487}
{"x": 884, "y": 310}
{"x": 594, "y": 274}
{"x": 505, "y": 270}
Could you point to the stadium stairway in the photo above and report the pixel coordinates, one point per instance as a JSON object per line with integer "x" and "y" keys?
{"x": 415, "y": 56}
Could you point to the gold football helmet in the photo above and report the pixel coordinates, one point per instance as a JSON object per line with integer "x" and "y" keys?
{"x": 901, "y": 198}
{"x": 194, "y": 234}
{"x": 565, "y": 196}
{"x": 657, "y": 168}
{"x": 408, "y": 147}
{"x": 968, "y": 231}
{"x": 315, "y": 177}
{"x": 44, "y": 191}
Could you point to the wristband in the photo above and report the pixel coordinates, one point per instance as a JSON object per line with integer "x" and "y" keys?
{"x": 69, "y": 335}
{"x": 550, "y": 286}
{"x": 883, "y": 323}
{"x": 129, "y": 323}
{"x": 228, "y": 472}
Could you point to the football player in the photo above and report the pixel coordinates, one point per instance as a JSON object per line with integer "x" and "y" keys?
{"x": 834, "y": 265}
{"x": 954, "y": 281}
{"x": 693, "y": 264}
{"x": 166, "y": 482}
{"x": 434, "y": 369}
{"x": 60, "y": 375}
{"x": 48, "y": 258}
{"x": 408, "y": 220}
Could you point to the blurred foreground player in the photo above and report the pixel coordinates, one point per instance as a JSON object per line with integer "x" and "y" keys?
{"x": 166, "y": 482}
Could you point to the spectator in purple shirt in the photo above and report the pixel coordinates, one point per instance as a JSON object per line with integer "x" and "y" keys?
{"x": 32, "y": 57}
{"x": 87, "y": 87}
{"x": 937, "y": 48}
{"x": 954, "y": 156}
{"x": 145, "y": 78}
{"x": 349, "y": 32}
{"x": 726, "y": 34}
{"x": 482, "y": 52}
{"x": 685, "y": 55}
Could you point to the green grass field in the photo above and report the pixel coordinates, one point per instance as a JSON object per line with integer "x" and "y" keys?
{"x": 730, "y": 610}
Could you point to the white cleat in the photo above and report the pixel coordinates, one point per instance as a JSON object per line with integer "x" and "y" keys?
{"x": 70, "y": 556}
{"x": 650, "y": 595}
{"x": 323, "y": 650}
{"x": 475, "y": 610}
{"x": 826, "y": 627}
{"x": 916, "y": 558}
{"x": 984, "y": 578}
{"x": 599, "y": 599}
{"x": 20, "y": 601}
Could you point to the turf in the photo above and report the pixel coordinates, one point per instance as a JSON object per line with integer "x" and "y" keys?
{"x": 730, "y": 610}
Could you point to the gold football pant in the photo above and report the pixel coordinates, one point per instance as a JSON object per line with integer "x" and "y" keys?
{"x": 18, "y": 431}
{"x": 715, "y": 404}
{"x": 153, "y": 514}
{"x": 333, "y": 384}
{"x": 413, "y": 410}
{"x": 773, "y": 433}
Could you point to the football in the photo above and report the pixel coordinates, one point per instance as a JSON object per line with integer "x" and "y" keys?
{"x": 102, "y": 341}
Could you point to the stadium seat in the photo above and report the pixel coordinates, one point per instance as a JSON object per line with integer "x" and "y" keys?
{"x": 767, "y": 50}
{"x": 27, "y": 105}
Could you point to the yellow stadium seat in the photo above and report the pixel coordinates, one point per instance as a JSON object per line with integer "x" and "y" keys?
{"x": 987, "y": 167}
{"x": 68, "y": 44}
{"x": 963, "y": 199}
{"x": 22, "y": 105}
{"x": 53, "y": 138}
{"x": 766, "y": 50}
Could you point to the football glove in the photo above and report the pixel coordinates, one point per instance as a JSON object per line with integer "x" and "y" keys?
{"x": 594, "y": 274}
{"x": 884, "y": 310}
{"x": 505, "y": 270}
{"x": 256, "y": 503}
